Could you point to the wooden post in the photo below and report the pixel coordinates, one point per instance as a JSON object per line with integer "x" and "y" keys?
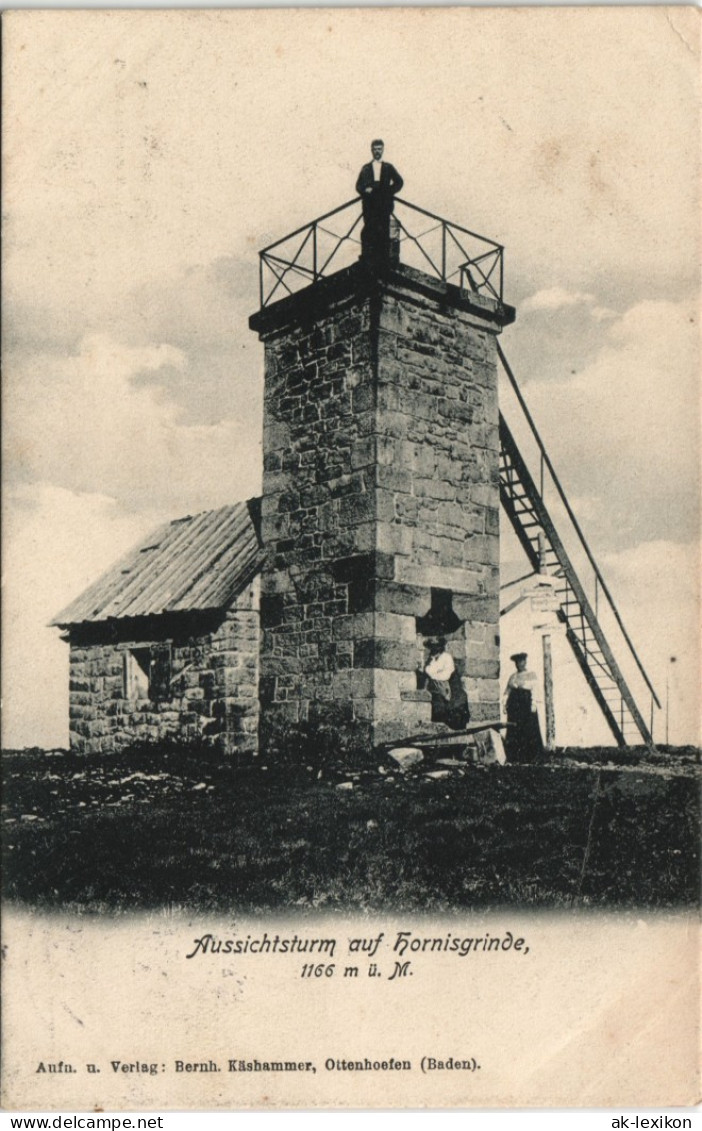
{"x": 548, "y": 695}
{"x": 548, "y": 665}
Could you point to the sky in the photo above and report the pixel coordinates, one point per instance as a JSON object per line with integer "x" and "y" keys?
{"x": 149, "y": 155}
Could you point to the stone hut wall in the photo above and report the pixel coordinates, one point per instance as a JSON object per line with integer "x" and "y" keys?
{"x": 212, "y": 691}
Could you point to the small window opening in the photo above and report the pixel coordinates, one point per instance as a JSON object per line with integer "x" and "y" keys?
{"x": 147, "y": 673}
{"x": 440, "y": 619}
{"x": 136, "y": 673}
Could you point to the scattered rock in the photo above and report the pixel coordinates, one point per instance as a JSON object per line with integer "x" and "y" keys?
{"x": 406, "y": 756}
{"x": 200, "y": 785}
{"x": 490, "y": 749}
{"x": 345, "y": 785}
{"x": 438, "y": 775}
{"x": 140, "y": 777}
{"x": 450, "y": 762}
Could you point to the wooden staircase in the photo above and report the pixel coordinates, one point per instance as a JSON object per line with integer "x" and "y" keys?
{"x": 524, "y": 505}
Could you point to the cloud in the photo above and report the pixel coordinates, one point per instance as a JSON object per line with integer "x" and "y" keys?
{"x": 555, "y": 298}
{"x": 101, "y": 444}
{"x": 105, "y": 420}
{"x": 657, "y": 587}
{"x": 56, "y": 542}
{"x": 624, "y": 429}
{"x": 203, "y": 311}
{"x": 199, "y": 309}
{"x": 108, "y": 432}
{"x": 557, "y": 333}
{"x": 603, "y": 313}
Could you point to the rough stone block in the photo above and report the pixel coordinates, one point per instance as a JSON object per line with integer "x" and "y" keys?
{"x": 364, "y": 566}
{"x": 407, "y": 600}
{"x": 414, "y": 718}
{"x": 394, "y": 478}
{"x": 435, "y": 489}
{"x": 396, "y": 626}
{"x": 394, "y": 538}
{"x": 482, "y": 548}
{"x": 353, "y": 684}
{"x": 353, "y": 625}
{"x": 363, "y": 399}
{"x": 356, "y": 509}
{"x": 483, "y": 669}
{"x": 393, "y": 424}
{"x": 395, "y": 685}
{"x": 490, "y": 749}
{"x": 377, "y": 653}
{"x": 362, "y": 452}
{"x": 435, "y": 576}
{"x": 407, "y": 510}
{"x": 395, "y": 317}
{"x": 406, "y": 756}
{"x": 451, "y": 514}
{"x": 472, "y": 608}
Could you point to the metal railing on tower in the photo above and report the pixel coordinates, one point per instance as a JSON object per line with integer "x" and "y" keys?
{"x": 418, "y": 239}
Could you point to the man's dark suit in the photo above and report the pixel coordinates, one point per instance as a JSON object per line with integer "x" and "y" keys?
{"x": 377, "y": 208}
{"x": 383, "y": 190}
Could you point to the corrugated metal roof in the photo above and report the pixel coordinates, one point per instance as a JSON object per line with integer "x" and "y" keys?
{"x": 199, "y": 562}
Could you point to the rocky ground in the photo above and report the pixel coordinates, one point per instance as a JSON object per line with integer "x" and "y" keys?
{"x": 171, "y": 827}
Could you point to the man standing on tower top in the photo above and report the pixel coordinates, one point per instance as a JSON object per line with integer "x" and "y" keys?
{"x": 377, "y": 184}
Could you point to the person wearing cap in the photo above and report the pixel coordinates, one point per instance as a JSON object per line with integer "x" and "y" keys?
{"x": 449, "y": 702}
{"x": 523, "y": 740}
{"x": 377, "y": 184}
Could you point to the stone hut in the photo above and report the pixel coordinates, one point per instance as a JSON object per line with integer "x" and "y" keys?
{"x": 166, "y": 643}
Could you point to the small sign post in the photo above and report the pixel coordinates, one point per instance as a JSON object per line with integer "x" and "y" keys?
{"x": 545, "y": 603}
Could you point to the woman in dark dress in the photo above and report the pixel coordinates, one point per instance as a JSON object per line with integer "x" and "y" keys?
{"x": 449, "y": 702}
{"x": 523, "y": 740}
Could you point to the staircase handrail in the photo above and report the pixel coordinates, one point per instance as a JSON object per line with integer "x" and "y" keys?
{"x": 576, "y": 524}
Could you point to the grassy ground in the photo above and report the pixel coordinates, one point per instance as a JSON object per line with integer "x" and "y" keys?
{"x": 158, "y": 828}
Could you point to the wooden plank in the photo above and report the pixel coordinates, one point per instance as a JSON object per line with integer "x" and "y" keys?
{"x": 442, "y": 739}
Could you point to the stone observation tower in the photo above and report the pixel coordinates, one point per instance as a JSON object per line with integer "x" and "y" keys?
{"x": 380, "y": 510}
{"x": 386, "y": 459}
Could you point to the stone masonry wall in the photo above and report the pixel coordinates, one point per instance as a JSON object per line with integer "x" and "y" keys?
{"x": 437, "y": 477}
{"x": 214, "y": 684}
{"x": 318, "y": 510}
{"x": 380, "y": 485}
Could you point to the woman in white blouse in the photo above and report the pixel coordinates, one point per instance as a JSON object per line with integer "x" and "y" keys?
{"x": 523, "y": 741}
{"x": 449, "y": 702}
